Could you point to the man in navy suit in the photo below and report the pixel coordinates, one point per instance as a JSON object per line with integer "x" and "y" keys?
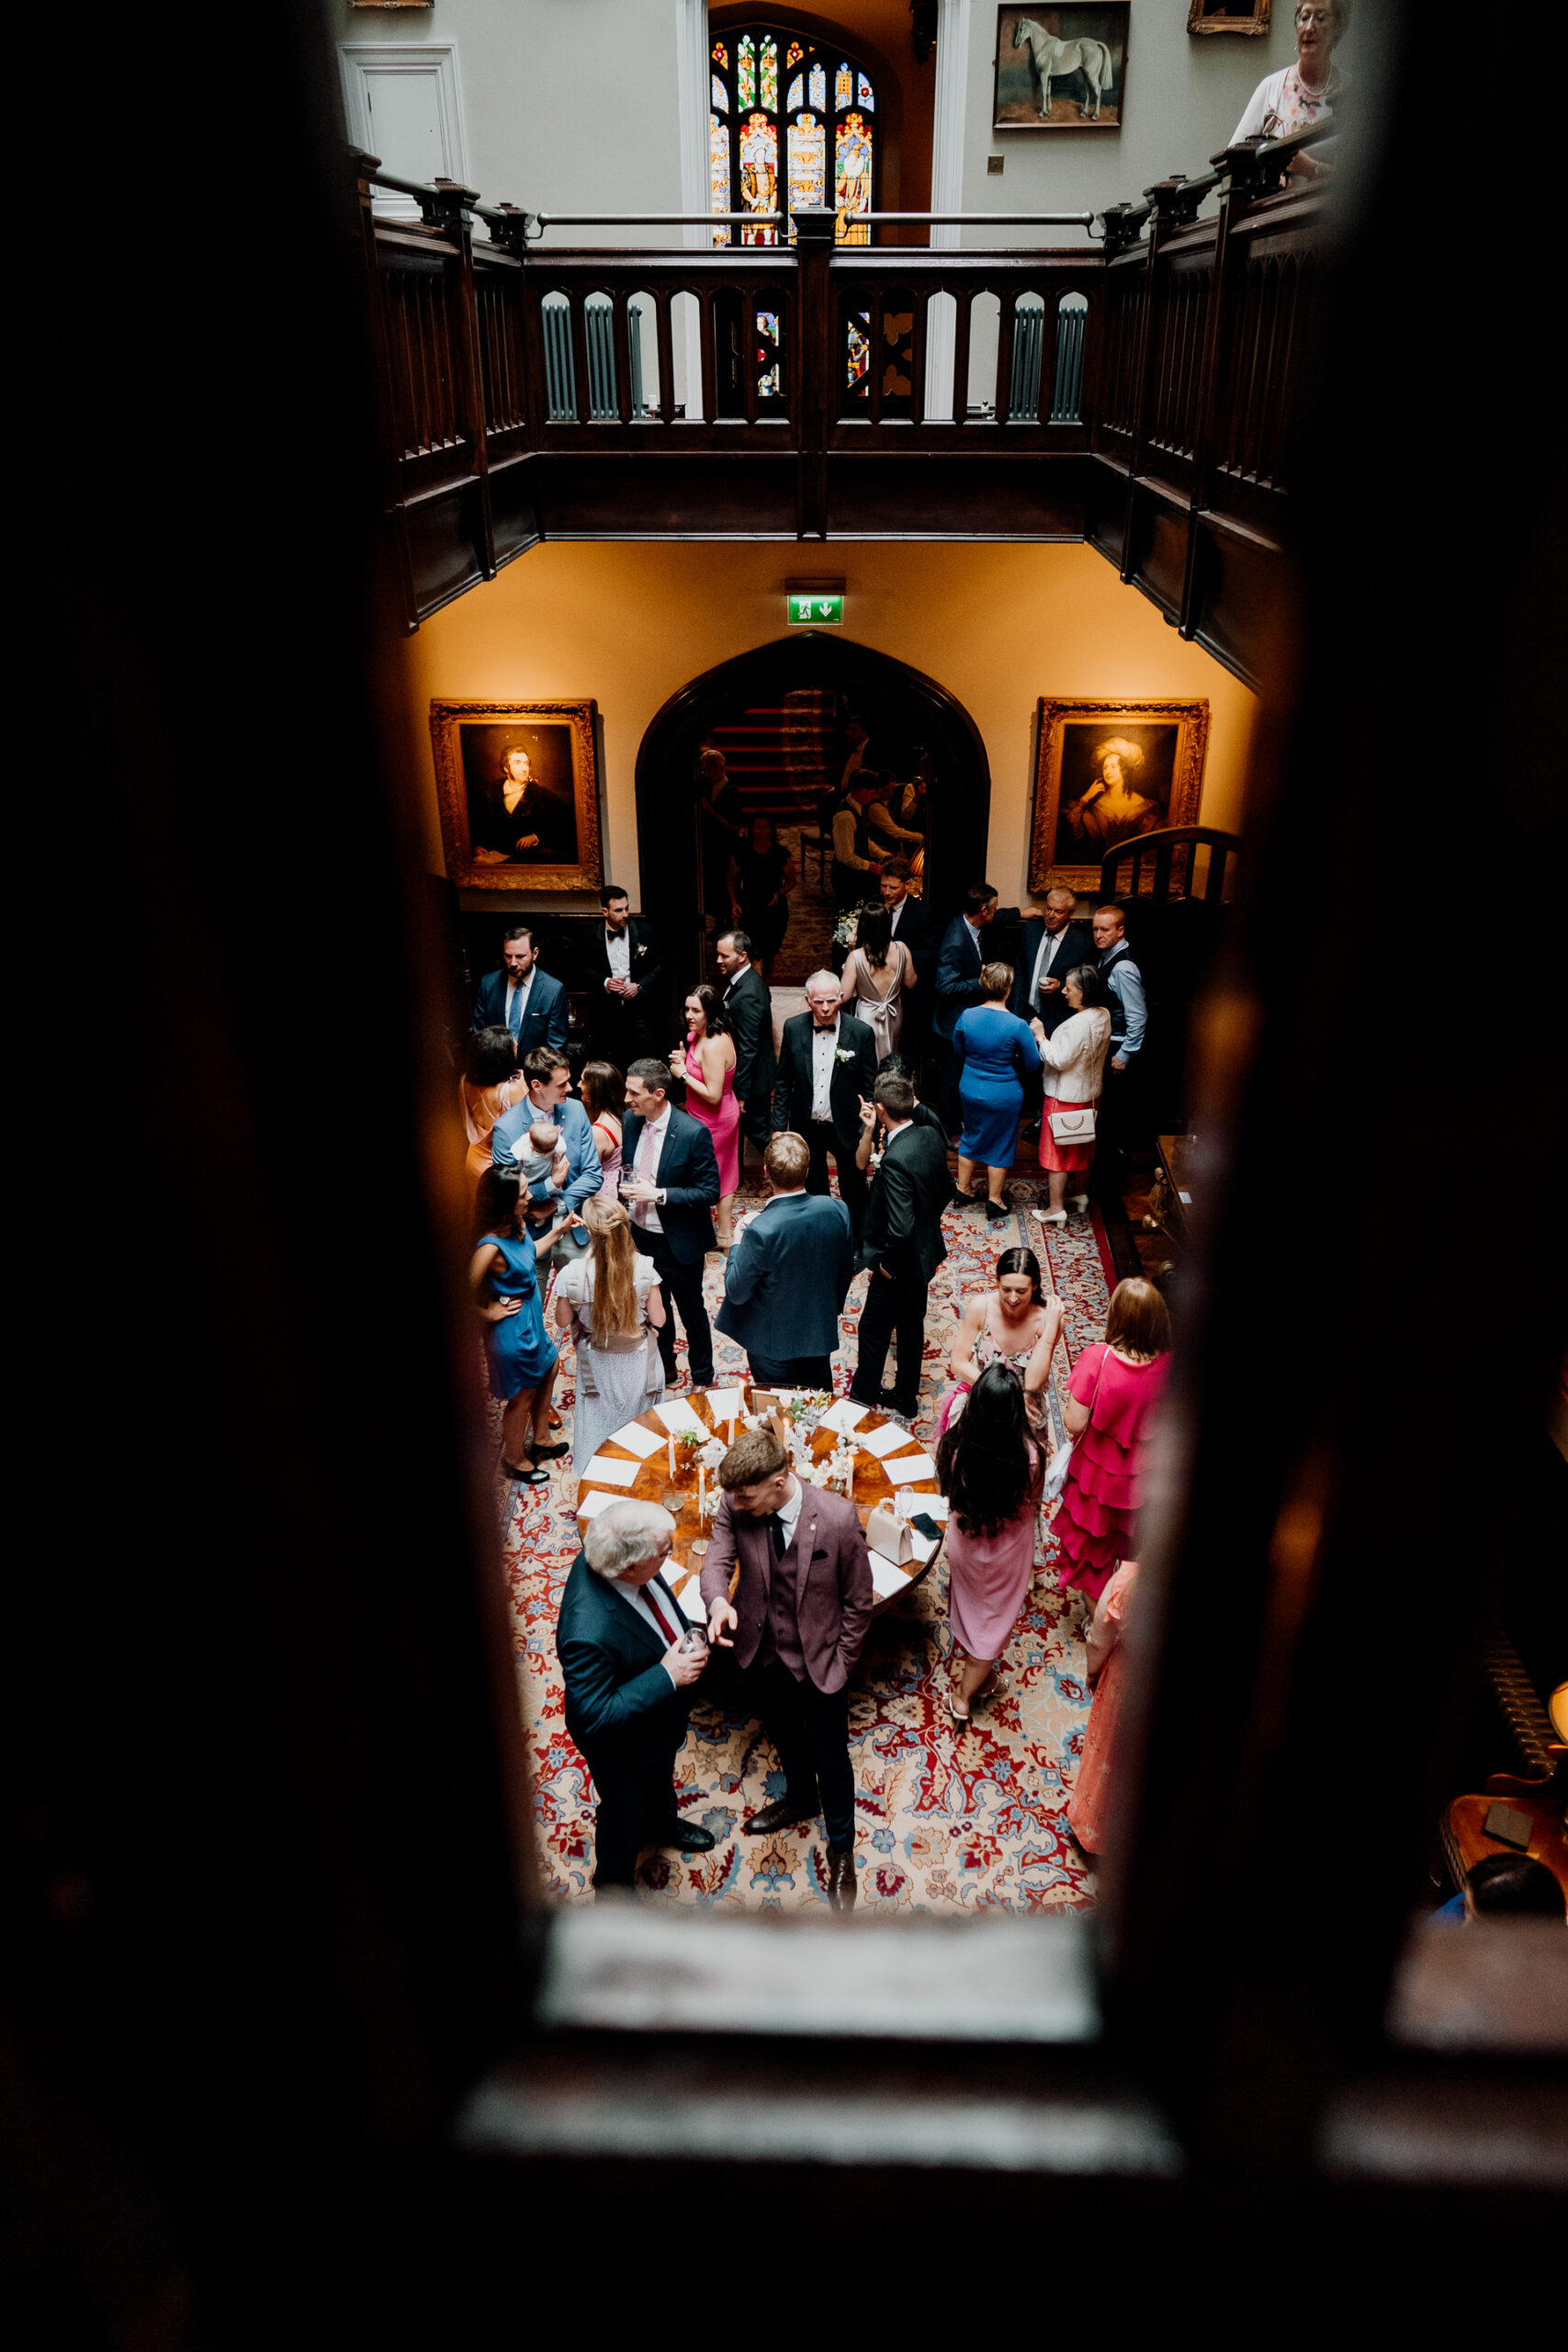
{"x": 749, "y": 1004}
{"x": 520, "y": 998}
{"x": 958, "y": 966}
{"x": 789, "y": 1274}
{"x": 904, "y": 1247}
{"x": 621, "y": 1642}
{"x": 671, "y": 1187}
{"x": 1053, "y": 942}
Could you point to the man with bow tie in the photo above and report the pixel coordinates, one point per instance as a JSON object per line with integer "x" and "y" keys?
{"x": 803, "y": 1600}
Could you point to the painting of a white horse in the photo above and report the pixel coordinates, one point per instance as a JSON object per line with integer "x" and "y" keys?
{"x": 1074, "y": 54}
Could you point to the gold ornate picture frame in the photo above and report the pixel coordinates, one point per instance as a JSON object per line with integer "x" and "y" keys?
{"x": 1105, "y": 773}
{"x": 1228, "y": 16}
{"x": 518, "y": 786}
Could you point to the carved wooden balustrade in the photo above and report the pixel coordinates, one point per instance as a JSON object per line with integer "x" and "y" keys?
{"x": 1143, "y": 392}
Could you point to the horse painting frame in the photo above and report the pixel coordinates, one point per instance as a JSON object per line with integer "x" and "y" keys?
{"x": 1061, "y": 68}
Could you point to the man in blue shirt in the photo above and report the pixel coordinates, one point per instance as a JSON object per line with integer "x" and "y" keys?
{"x": 1129, "y": 1019}
{"x": 549, "y": 1077}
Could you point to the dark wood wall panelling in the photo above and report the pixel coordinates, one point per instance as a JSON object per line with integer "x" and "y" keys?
{"x": 1169, "y": 461}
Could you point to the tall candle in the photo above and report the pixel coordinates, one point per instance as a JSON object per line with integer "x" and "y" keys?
{"x": 702, "y": 1494}
{"x": 672, "y": 1457}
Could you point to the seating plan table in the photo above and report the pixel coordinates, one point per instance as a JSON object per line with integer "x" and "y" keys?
{"x": 645, "y": 1462}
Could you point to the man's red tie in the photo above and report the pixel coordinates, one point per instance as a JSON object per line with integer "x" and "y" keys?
{"x": 653, "y": 1599}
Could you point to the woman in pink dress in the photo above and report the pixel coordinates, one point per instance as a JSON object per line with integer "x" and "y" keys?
{"x": 708, "y": 1067}
{"x": 1091, "y": 1805}
{"x": 991, "y": 1471}
{"x": 1111, "y": 1400}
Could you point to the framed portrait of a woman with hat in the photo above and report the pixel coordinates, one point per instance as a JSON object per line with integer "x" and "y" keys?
{"x": 519, "y": 794}
{"x": 1108, "y": 773}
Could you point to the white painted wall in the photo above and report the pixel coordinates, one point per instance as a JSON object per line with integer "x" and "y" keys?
{"x": 1184, "y": 99}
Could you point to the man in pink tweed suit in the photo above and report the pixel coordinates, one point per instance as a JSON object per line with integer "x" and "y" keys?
{"x": 803, "y": 1599}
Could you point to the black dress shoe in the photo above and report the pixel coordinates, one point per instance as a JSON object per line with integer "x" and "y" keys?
{"x": 859, "y": 1396}
{"x": 781, "y": 1815}
{"x": 840, "y": 1878}
{"x": 550, "y": 1452}
{"x": 683, "y": 1836}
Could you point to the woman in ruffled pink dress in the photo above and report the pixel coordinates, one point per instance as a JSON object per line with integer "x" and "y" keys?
{"x": 1090, "y": 1808}
{"x": 1111, "y": 1400}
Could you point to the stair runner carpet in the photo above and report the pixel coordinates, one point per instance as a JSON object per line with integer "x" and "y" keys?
{"x": 780, "y": 756}
{"x": 944, "y": 1823}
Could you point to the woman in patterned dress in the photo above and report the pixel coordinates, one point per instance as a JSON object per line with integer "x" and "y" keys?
{"x": 1015, "y": 1324}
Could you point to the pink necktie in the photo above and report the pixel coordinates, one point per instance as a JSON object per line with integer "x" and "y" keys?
{"x": 645, "y": 1168}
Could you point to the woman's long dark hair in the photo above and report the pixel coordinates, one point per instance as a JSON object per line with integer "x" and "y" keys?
{"x": 495, "y": 1206}
{"x": 988, "y": 1469}
{"x": 715, "y": 1019}
{"x": 873, "y": 936}
{"x": 491, "y": 1057}
{"x": 1019, "y": 1261}
{"x": 603, "y": 1089}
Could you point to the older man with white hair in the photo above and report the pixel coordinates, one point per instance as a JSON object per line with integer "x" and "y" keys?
{"x": 629, "y": 1661}
{"x": 826, "y": 1063}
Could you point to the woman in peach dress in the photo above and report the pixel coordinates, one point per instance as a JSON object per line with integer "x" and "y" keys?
{"x": 489, "y": 1088}
{"x": 1090, "y": 1806}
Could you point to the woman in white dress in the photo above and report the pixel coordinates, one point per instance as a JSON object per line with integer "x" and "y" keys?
{"x": 1075, "y": 1070}
{"x": 609, "y": 1301}
{"x": 877, "y": 971}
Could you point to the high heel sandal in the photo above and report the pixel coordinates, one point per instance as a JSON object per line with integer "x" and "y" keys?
{"x": 961, "y": 1715}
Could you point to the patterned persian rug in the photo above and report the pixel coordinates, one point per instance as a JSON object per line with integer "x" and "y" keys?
{"x": 943, "y": 1821}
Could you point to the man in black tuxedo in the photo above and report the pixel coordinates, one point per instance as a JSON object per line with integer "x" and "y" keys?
{"x": 628, "y": 1685}
{"x": 828, "y": 1063}
{"x": 520, "y": 998}
{"x": 788, "y": 1275}
{"x": 1053, "y": 942}
{"x": 903, "y": 1249}
{"x": 916, "y": 926}
{"x": 671, "y": 1187}
{"x": 749, "y": 1004}
{"x": 621, "y": 971}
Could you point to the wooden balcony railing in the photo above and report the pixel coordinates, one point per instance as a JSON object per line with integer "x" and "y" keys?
{"x": 1143, "y": 392}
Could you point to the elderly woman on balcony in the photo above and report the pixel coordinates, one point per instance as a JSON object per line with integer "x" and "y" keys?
{"x": 1306, "y": 92}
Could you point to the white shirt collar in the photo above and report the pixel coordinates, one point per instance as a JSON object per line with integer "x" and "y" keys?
{"x": 897, "y": 1128}
{"x": 789, "y": 1512}
{"x": 973, "y": 929}
{"x": 657, "y": 1126}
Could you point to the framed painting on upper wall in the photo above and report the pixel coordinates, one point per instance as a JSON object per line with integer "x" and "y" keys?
{"x": 1228, "y": 16}
{"x": 519, "y": 794}
{"x": 1106, "y": 774}
{"x": 1062, "y": 69}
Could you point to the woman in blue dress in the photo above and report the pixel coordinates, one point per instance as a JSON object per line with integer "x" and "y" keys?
{"x": 995, "y": 1053}
{"x": 504, "y": 1275}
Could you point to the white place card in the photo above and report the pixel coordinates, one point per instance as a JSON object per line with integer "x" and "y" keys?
{"x": 723, "y": 1403}
{"x": 638, "y": 1441}
{"x": 886, "y": 1439}
{"x": 607, "y": 1472}
{"x": 924, "y": 1544}
{"x": 677, "y": 1415}
{"x": 886, "y": 1577}
{"x": 907, "y": 1467}
{"x": 935, "y": 1506}
{"x": 591, "y": 1504}
{"x": 844, "y": 1418}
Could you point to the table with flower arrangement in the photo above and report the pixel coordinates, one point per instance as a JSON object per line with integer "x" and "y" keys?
{"x": 671, "y": 1455}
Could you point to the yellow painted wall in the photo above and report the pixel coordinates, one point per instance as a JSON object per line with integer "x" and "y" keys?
{"x": 998, "y": 627}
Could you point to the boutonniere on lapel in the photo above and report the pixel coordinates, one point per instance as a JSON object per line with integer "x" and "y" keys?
{"x": 639, "y": 949}
{"x": 843, "y": 1053}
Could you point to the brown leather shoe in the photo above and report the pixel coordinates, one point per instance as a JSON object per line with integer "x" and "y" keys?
{"x": 840, "y": 1878}
{"x": 781, "y": 1815}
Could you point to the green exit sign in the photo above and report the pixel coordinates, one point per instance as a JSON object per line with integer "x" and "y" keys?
{"x": 818, "y": 608}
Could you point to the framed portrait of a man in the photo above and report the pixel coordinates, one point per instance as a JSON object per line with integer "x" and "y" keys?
{"x": 1106, "y": 774}
{"x": 519, "y": 794}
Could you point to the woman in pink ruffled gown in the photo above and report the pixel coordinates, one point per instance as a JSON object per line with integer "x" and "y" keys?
{"x": 1109, "y": 1404}
{"x": 708, "y": 1067}
{"x": 991, "y": 1471}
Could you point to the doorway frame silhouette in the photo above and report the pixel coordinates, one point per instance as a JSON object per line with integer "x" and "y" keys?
{"x": 669, "y": 851}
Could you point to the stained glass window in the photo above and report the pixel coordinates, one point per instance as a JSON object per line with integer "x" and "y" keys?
{"x": 719, "y": 173}
{"x": 815, "y": 151}
{"x": 808, "y": 164}
{"x": 770, "y": 385}
{"x": 759, "y": 178}
{"x": 851, "y": 180}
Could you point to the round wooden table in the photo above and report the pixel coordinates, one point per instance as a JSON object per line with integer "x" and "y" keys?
{"x": 653, "y": 1484}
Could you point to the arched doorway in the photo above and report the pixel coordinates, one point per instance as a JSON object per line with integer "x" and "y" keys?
{"x": 909, "y": 716}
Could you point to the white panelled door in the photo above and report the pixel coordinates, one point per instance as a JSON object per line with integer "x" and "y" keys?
{"x": 403, "y": 103}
